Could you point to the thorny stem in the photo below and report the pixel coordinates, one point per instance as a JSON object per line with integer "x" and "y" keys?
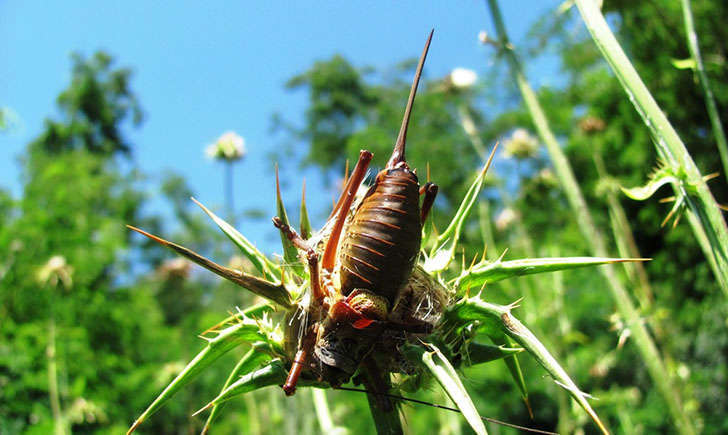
{"x": 646, "y": 346}
{"x": 710, "y": 105}
{"x": 709, "y": 220}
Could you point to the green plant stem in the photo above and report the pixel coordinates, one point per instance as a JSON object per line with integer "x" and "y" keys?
{"x": 691, "y": 186}
{"x": 712, "y": 108}
{"x": 648, "y": 351}
{"x": 229, "y": 197}
{"x": 59, "y": 426}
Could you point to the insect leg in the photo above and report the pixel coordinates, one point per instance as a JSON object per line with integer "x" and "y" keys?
{"x": 318, "y": 294}
{"x": 289, "y": 387}
{"x": 430, "y": 191}
{"x": 347, "y": 197}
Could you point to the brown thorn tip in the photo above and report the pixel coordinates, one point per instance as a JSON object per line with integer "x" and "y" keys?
{"x": 490, "y": 158}
{"x": 151, "y": 236}
{"x": 278, "y": 183}
{"x": 399, "y": 146}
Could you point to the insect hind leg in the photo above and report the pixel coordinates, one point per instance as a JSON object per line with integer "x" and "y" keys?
{"x": 430, "y": 192}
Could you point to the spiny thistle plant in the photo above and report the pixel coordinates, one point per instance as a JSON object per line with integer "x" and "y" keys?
{"x": 436, "y": 325}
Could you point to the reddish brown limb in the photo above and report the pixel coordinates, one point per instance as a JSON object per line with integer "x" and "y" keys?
{"x": 398, "y": 153}
{"x": 430, "y": 191}
{"x": 318, "y": 294}
{"x": 347, "y": 197}
{"x": 299, "y": 361}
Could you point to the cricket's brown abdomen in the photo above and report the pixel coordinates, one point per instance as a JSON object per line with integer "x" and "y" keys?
{"x": 382, "y": 243}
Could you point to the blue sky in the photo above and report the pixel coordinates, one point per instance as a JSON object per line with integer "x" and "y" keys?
{"x": 202, "y": 68}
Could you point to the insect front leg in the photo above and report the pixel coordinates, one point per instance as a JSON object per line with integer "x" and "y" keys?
{"x": 342, "y": 207}
{"x": 430, "y": 192}
{"x": 311, "y": 257}
{"x": 299, "y": 361}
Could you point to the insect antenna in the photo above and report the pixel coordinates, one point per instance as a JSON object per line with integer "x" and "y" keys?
{"x": 447, "y": 408}
{"x": 398, "y": 153}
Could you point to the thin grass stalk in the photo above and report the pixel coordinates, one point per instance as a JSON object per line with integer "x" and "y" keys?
{"x": 691, "y": 187}
{"x": 646, "y": 346}
{"x": 323, "y": 413}
{"x": 710, "y": 105}
{"x": 623, "y": 235}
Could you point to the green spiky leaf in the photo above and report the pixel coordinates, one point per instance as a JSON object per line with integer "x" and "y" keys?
{"x": 274, "y": 292}
{"x": 475, "y": 309}
{"x": 443, "y": 251}
{"x": 246, "y": 331}
{"x": 489, "y": 272}
{"x": 434, "y": 360}
{"x": 270, "y": 270}
{"x": 257, "y": 355}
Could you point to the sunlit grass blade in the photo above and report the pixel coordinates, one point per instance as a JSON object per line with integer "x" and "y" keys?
{"x": 445, "y": 374}
{"x": 485, "y": 272}
{"x": 443, "y": 251}
{"x": 255, "y": 357}
{"x": 290, "y": 253}
{"x": 274, "y": 292}
{"x": 475, "y": 309}
{"x": 479, "y": 353}
{"x": 227, "y": 339}
{"x": 270, "y": 270}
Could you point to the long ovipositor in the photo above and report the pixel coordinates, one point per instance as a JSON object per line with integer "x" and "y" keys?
{"x": 383, "y": 240}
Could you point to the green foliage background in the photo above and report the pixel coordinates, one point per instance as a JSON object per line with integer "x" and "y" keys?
{"x": 121, "y": 334}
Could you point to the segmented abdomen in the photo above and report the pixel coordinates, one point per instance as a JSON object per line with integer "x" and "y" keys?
{"x": 383, "y": 240}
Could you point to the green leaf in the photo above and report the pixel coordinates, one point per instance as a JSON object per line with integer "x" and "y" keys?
{"x": 475, "y": 309}
{"x": 270, "y": 270}
{"x": 688, "y": 63}
{"x": 443, "y": 251}
{"x": 257, "y": 355}
{"x": 274, "y": 292}
{"x": 485, "y": 273}
{"x": 658, "y": 179}
{"x": 227, "y": 339}
{"x": 448, "y": 378}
